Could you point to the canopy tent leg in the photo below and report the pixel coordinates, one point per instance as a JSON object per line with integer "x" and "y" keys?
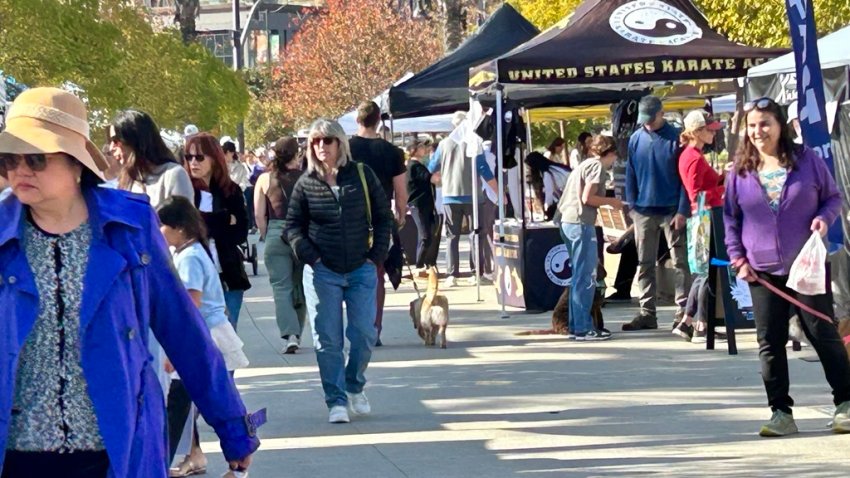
{"x": 476, "y": 240}
{"x": 500, "y": 163}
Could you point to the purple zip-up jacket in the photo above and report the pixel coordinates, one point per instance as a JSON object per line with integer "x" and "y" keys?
{"x": 772, "y": 240}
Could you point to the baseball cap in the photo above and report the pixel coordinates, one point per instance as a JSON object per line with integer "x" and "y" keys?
{"x": 190, "y": 130}
{"x": 648, "y": 107}
{"x": 792, "y": 111}
{"x": 697, "y": 119}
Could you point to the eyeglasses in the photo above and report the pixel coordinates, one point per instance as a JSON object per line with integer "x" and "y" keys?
{"x": 9, "y": 162}
{"x": 326, "y": 141}
{"x": 760, "y": 103}
{"x": 197, "y": 157}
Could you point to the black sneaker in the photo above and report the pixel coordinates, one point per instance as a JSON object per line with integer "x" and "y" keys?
{"x": 641, "y": 322}
{"x": 677, "y": 319}
{"x": 593, "y": 336}
{"x": 684, "y": 331}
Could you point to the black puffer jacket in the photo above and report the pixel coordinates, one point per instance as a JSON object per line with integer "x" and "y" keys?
{"x": 227, "y": 236}
{"x": 320, "y": 226}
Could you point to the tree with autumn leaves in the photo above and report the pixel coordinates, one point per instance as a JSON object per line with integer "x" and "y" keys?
{"x": 350, "y": 52}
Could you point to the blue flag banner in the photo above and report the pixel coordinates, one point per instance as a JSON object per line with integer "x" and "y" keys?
{"x": 810, "y": 97}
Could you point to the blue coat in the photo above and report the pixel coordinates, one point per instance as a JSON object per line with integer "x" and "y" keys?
{"x": 129, "y": 288}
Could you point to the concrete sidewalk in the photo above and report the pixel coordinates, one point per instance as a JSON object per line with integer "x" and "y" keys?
{"x": 498, "y": 404}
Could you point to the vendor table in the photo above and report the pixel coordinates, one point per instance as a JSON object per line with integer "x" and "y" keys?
{"x": 532, "y": 265}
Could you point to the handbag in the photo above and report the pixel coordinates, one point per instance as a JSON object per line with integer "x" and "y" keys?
{"x": 368, "y": 204}
{"x": 699, "y": 236}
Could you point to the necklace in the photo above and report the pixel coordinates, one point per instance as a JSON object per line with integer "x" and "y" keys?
{"x": 183, "y": 246}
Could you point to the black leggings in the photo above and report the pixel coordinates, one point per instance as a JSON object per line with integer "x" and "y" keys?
{"x": 179, "y": 405}
{"x": 771, "y": 314}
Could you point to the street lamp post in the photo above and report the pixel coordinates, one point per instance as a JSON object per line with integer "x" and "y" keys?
{"x": 237, "y": 65}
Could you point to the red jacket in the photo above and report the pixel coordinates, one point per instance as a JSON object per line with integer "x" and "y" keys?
{"x": 697, "y": 175}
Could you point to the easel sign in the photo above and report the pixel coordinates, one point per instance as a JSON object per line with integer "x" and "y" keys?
{"x": 612, "y": 221}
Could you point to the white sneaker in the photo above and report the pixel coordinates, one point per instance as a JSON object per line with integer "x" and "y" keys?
{"x": 292, "y": 344}
{"x": 451, "y": 281}
{"x": 338, "y": 414}
{"x": 359, "y": 403}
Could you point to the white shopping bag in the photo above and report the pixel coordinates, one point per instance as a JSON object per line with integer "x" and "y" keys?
{"x": 808, "y": 272}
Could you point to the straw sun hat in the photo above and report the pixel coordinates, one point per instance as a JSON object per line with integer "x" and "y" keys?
{"x": 50, "y": 120}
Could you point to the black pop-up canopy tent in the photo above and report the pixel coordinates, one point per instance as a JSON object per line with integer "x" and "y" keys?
{"x": 622, "y": 42}
{"x": 620, "y": 46}
{"x": 443, "y": 86}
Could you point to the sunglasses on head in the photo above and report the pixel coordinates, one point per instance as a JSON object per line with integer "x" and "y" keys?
{"x": 326, "y": 141}
{"x": 760, "y": 103}
{"x": 197, "y": 157}
{"x": 9, "y": 162}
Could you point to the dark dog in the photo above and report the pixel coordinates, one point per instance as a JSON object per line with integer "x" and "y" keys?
{"x": 561, "y": 315}
{"x": 430, "y": 313}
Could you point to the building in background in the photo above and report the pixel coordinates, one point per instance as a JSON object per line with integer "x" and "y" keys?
{"x": 270, "y": 29}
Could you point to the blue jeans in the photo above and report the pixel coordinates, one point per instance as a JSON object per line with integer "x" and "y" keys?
{"x": 581, "y": 245}
{"x": 325, "y": 291}
{"x": 233, "y": 302}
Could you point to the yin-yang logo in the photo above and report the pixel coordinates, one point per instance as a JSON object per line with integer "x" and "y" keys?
{"x": 557, "y": 265}
{"x": 654, "y": 22}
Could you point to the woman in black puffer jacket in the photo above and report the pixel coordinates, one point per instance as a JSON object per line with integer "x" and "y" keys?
{"x": 328, "y": 226}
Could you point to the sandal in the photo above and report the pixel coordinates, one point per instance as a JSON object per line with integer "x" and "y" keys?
{"x": 188, "y": 468}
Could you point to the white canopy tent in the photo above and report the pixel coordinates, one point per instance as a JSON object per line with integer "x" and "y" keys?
{"x": 833, "y": 51}
{"x": 425, "y": 124}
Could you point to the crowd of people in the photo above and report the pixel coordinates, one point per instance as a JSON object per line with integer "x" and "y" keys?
{"x": 125, "y": 271}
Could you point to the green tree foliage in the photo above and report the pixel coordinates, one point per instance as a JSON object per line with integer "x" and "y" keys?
{"x": 109, "y": 49}
{"x": 265, "y": 122}
{"x": 762, "y": 23}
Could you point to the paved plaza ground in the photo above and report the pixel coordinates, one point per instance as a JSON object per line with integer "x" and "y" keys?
{"x": 497, "y": 404}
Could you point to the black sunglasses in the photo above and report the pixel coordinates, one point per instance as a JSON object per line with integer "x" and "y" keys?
{"x": 197, "y": 157}
{"x": 9, "y": 162}
{"x": 327, "y": 141}
{"x": 760, "y": 103}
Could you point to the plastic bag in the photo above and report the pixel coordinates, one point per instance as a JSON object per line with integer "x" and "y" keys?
{"x": 808, "y": 272}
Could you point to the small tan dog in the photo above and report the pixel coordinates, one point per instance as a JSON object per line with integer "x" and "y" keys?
{"x": 430, "y": 313}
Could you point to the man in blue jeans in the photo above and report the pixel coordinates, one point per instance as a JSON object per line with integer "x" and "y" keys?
{"x": 659, "y": 204}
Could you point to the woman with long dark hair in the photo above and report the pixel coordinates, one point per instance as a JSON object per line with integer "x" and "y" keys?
{"x": 555, "y": 151}
{"x": 777, "y": 195}
{"x": 147, "y": 165}
{"x": 223, "y": 207}
{"x": 271, "y": 201}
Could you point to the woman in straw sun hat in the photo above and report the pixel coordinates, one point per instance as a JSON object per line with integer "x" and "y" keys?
{"x": 77, "y": 266}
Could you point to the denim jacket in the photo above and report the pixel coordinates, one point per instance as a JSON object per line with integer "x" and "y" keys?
{"x": 129, "y": 287}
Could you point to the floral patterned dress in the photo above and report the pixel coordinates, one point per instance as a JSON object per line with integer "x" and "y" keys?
{"x": 52, "y": 410}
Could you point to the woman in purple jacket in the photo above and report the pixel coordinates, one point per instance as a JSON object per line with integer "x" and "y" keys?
{"x": 780, "y": 193}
